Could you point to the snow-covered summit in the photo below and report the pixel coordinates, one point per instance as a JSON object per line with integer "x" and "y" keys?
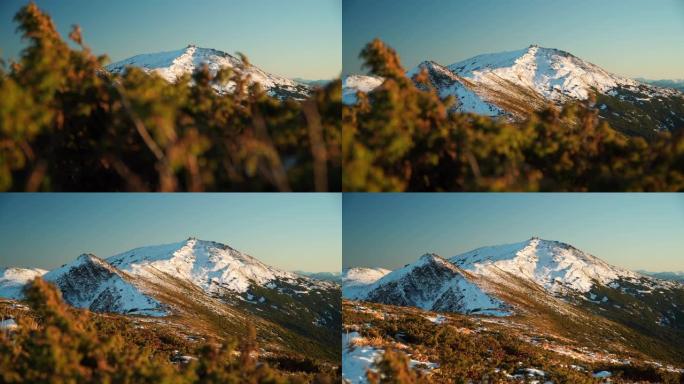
{"x": 448, "y": 83}
{"x": 430, "y": 283}
{"x": 171, "y": 65}
{"x": 210, "y": 265}
{"x": 90, "y": 282}
{"x": 354, "y": 280}
{"x": 358, "y": 83}
{"x": 12, "y": 280}
{"x": 556, "y": 266}
{"x": 555, "y": 74}
{"x": 513, "y": 84}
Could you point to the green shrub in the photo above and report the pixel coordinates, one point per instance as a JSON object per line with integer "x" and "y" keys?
{"x": 68, "y": 124}
{"x": 402, "y": 138}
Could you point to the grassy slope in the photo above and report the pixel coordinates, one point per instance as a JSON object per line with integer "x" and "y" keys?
{"x": 631, "y": 334}
{"x": 204, "y": 315}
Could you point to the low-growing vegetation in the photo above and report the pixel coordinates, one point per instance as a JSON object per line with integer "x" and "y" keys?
{"x": 403, "y": 137}
{"x": 467, "y": 349}
{"x": 66, "y": 124}
{"x": 55, "y": 343}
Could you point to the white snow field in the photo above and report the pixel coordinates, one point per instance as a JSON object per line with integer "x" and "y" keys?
{"x": 172, "y": 65}
{"x": 556, "y": 266}
{"x": 210, "y": 265}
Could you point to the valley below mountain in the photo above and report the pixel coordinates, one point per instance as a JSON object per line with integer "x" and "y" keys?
{"x": 202, "y": 290}
{"x": 537, "y": 310}
{"x": 513, "y": 84}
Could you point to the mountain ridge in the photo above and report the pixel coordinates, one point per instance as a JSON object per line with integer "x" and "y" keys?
{"x": 513, "y": 84}
{"x": 171, "y": 65}
{"x": 207, "y": 288}
{"x": 557, "y": 292}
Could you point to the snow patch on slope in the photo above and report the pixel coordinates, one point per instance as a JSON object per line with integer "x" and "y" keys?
{"x": 358, "y": 83}
{"x": 89, "y": 282}
{"x": 357, "y": 359}
{"x": 355, "y": 280}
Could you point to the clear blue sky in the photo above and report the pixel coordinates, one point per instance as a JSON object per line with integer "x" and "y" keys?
{"x": 635, "y": 231}
{"x": 635, "y": 38}
{"x": 293, "y": 38}
{"x": 289, "y": 231}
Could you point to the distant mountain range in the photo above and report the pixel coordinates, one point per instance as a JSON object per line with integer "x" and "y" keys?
{"x": 549, "y": 286}
{"x": 172, "y": 65}
{"x": 334, "y": 277}
{"x": 203, "y": 285}
{"x": 672, "y": 276}
{"x": 511, "y": 84}
{"x": 677, "y": 84}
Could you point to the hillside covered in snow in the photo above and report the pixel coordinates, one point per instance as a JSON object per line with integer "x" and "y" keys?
{"x": 172, "y": 65}
{"x": 564, "y": 304}
{"x": 511, "y": 84}
{"x": 205, "y": 286}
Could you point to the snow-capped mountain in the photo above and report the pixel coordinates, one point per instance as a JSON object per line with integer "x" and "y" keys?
{"x": 358, "y": 83}
{"x": 555, "y": 266}
{"x": 512, "y": 84}
{"x": 356, "y": 279}
{"x": 172, "y": 65}
{"x": 448, "y": 84}
{"x": 493, "y": 278}
{"x": 205, "y": 287}
{"x": 677, "y": 84}
{"x": 671, "y": 276}
{"x": 431, "y": 283}
{"x": 214, "y": 267}
{"x": 555, "y": 74}
{"x": 12, "y": 280}
{"x": 89, "y": 282}
{"x": 565, "y": 300}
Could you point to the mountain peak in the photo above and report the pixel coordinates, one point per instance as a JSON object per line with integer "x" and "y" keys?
{"x": 428, "y": 256}
{"x": 207, "y": 264}
{"x": 431, "y": 283}
{"x": 555, "y": 265}
{"x": 173, "y": 65}
{"x": 86, "y": 257}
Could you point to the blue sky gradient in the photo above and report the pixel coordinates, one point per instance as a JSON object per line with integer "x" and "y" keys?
{"x": 633, "y": 38}
{"x": 631, "y": 230}
{"x": 289, "y": 231}
{"x": 294, "y": 38}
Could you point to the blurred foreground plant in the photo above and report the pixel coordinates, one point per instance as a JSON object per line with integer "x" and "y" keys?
{"x": 402, "y": 138}
{"x": 66, "y": 124}
{"x": 58, "y": 344}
